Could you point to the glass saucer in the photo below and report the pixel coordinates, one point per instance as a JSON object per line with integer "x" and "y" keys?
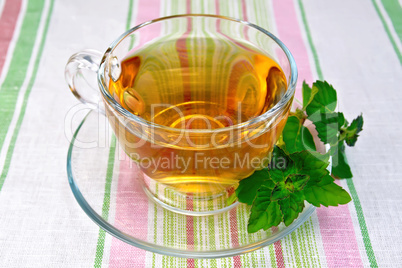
{"x": 115, "y": 200}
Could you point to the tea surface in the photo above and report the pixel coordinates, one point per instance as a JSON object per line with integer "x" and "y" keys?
{"x": 198, "y": 83}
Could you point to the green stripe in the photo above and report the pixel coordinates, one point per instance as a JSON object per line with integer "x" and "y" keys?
{"x": 128, "y": 22}
{"x": 295, "y": 247}
{"x": 258, "y": 7}
{"x": 106, "y": 202}
{"x": 129, "y": 15}
{"x": 155, "y": 234}
{"x": 156, "y": 208}
{"x": 207, "y": 224}
{"x": 198, "y": 243}
{"x": 227, "y": 262}
{"x": 211, "y": 230}
{"x": 246, "y": 259}
{"x": 362, "y": 223}
{"x": 272, "y": 255}
{"x": 179, "y": 236}
{"x": 240, "y": 10}
{"x": 394, "y": 11}
{"x": 315, "y": 243}
{"x": 242, "y": 236}
{"x": 226, "y": 230}
{"x": 353, "y": 192}
{"x": 155, "y": 228}
{"x": 167, "y": 226}
{"x": 310, "y": 41}
{"x": 17, "y": 71}
{"x": 100, "y": 246}
{"x": 192, "y": 48}
{"x": 284, "y": 243}
{"x": 165, "y": 231}
{"x": 171, "y": 221}
{"x": 305, "y": 245}
{"x": 396, "y": 20}
{"x": 172, "y": 231}
{"x": 261, "y": 253}
{"x": 313, "y": 251}
{"x": 211, "y": 219}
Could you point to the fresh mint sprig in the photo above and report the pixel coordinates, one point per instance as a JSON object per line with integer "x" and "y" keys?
{"x": 319, "y": 105}
{"x": 297, "y": 172}
{"x": 277, "y": 193}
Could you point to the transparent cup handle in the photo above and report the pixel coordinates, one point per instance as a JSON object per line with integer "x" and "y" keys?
{"x": 81, "y": 76}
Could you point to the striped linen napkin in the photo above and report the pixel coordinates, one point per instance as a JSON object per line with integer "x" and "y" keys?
{"x": 355, "y": 45}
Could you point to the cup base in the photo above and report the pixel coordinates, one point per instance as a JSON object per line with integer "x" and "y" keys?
{"x": 187, "y": 212}
{"x": 190, "y": 204}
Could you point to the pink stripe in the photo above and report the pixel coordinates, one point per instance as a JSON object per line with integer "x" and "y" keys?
{"x": 279, "y": 254}
{"x": 278, "y": 250}
{"x": 131, "y": 202}
{"x": 131, "y": 216}
{"x": 234, "y": 230}
{"x": 233, "y": 213}
{"x": 290, "y": 33}
{"x": 147, "y": 10}
{"x": 338, "y": 236}
{"x": 234, "y": 235}
{"x": 244, "y": 10}
{"x": 336, "y": 225}
{"x": 190, "y": 263}
{"x": 187, "y": 96}
{"x": 245, "y": 17}
{"x": 181, "y": 47}
{"x": 8, "y": 21}
{"x": 190, "y": 230}
{"x": 190, "y": 223}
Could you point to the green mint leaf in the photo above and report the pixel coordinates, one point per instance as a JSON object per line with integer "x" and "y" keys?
{"x": 340, "y": 166}
{"x": 328, "y": 126}
{"x": 308, "y": 94}
{"x": 280, "y": 191}
{"x": 299, "y": 181}
{"x": 353, "y": 130}
{"x": 324, "y": 100}
{"x": 311, "y": 163}
{"x": 291, "y": 207}
{"x": 294, "y": 182}
{"x": 248, "y": 187}
{"x": 289, "y": 184}
{"x": 326, "y": 192}
{"x": 281, "y": 165}
{"x": 296, "y": 136}
{"x": 264, "y": 212}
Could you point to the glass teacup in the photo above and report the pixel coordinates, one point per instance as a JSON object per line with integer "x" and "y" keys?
{"x": 196, "y": 101}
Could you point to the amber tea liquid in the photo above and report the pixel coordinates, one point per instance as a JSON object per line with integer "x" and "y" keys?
{"x": 205, "y": 84}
